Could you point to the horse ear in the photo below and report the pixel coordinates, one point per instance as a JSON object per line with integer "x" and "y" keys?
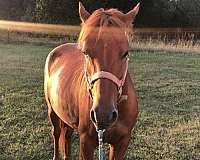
{"x": 130, "y": 16}
{"x": 84, "y": 15}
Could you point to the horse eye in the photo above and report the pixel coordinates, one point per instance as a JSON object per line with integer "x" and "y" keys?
{"x": 85, "y": 52}
{"x": 125, "y": 54}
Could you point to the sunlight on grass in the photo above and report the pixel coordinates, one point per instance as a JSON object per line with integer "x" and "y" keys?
{"x": 15, "y": 26}
{"x": 181, "y": 45}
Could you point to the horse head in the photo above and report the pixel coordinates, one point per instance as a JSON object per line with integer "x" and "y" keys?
{"x": 104, "y": 43}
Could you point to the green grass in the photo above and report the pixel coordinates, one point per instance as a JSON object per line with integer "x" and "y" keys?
{"x": 168, "y": 89}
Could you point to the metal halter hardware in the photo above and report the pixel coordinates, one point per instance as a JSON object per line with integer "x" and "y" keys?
{"x": 107, "y": 75}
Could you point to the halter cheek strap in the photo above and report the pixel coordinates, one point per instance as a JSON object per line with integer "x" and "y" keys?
{"x": 107, "y": 75}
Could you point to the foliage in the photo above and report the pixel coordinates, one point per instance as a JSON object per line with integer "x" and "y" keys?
{"x": 190, "y": 12}
{"x": 153, "y": 13}
{"x": 60, "y": 11}
{"x": 12, "y": 9}
{"x": 169, "y": 13}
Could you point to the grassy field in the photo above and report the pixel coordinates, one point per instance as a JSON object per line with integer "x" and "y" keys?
{"x": 168, "y": 89}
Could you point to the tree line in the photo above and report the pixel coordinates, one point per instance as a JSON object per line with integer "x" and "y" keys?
{"x": 153, "y": 13}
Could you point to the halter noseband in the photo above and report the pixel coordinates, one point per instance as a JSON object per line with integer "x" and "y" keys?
{"x": 107, "y": 75}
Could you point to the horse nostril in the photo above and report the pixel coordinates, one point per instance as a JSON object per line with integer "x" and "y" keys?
{"x": 93, "y": 116}
{"x": 114, "y": 116}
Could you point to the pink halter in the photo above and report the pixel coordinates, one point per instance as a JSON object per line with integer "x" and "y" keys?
{"x": 107, "y": 75}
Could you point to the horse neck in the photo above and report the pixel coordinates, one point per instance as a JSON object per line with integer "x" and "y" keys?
{"x": 79, "y": 88}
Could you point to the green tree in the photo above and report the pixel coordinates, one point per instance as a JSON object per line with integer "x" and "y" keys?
{"x": 153, "y": 13}
{"x": 29, "y": 11}
{"x": 60, "y": 11}
{"x": 11, "y": 9}
{"x": 187, "y": 13}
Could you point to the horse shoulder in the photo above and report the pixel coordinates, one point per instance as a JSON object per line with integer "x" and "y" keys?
{"x": 52, "y": 66}
{"x": 129, "y": 108}
{"x": 68, "y": 48}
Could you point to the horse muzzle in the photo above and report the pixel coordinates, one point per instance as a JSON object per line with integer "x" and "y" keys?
{"x": 103, "y": 119}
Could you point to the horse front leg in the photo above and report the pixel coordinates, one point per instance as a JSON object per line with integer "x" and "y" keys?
{"x": 67, "y": 142}
{"x": 118, "y": 149}
{"x": 87, "y": 147}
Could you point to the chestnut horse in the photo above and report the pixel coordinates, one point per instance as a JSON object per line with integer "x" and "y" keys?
{"x": 87, "y": 85}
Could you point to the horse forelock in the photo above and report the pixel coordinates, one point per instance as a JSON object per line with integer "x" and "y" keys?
{"x": 102, "y": 21}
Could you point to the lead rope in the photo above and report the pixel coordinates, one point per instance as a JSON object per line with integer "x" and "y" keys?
{"x": 100, "y": 139}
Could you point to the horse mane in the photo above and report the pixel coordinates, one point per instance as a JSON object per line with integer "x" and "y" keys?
{"x": 100, "y": 20}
